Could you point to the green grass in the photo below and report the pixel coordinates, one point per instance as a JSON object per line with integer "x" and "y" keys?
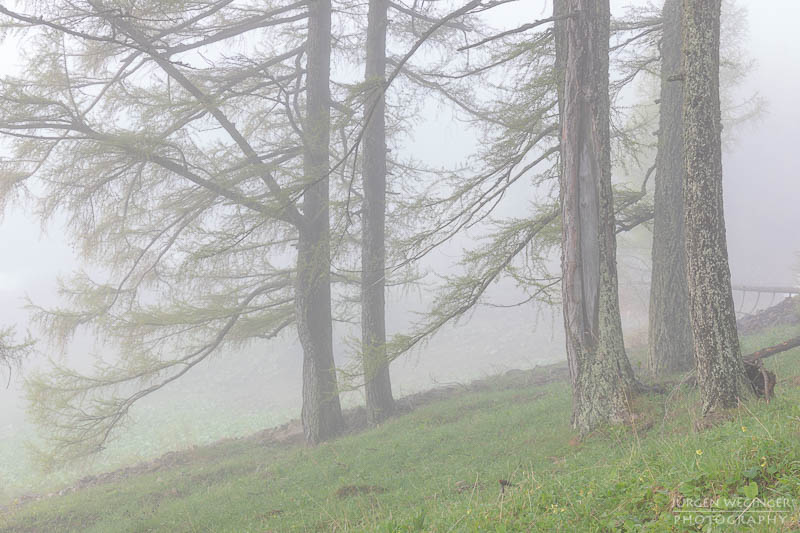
{"x": 227, "y": 397}
{"x": 437, "y": 469}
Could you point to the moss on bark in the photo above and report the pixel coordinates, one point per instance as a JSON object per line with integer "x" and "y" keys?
{"x": 720, "y": 370}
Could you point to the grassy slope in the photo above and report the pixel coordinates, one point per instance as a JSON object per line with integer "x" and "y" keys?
{"x": 437, "y": 469}
{"x": 227, "y": 397}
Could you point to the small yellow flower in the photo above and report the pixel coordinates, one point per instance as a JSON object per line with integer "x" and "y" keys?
{"x": 763, "y": 461}
{"x": 699, "y": 452}
{"x": 744, "y": 429}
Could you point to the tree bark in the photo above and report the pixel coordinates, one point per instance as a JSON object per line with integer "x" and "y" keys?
{"x": 380, "y": 403}
{"x": 670, "y": 333}
{"x": 720, "y": 370}
{"x": 321, "y": 412}
{"x": 600, "y": 372}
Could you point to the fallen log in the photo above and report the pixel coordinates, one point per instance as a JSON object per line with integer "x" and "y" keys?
{"x": 762, "y": 380}
{"x": 773, "y": 350}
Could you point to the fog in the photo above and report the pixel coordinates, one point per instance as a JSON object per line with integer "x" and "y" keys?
{"x": 238, "y": 393}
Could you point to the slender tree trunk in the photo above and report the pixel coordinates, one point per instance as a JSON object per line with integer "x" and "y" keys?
{"x": 671, "y": 345}
{"x": 560, "y": 37}
{"x": 380, "y": 403}
{"x": 720, "y": 370}
{"x": 322, "y": 413}
{"x": 600, "y": 371}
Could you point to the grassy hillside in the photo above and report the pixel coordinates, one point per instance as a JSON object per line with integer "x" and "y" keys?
{"x": 236, "y": 394}
{"x": 439, "y": 469}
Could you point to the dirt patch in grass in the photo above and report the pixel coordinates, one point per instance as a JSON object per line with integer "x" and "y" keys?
{"x": 467, "y": 486}
{"x": 713, "y": 419}
{"x": 357, "y": 490}
{"x": 153, "y": 500}
{"x": 218, "y": 475}
{"x": 290, "y": 433}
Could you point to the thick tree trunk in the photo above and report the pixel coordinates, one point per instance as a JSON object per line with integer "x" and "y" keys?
{"x": 380, "y": 403}
{"x": 322, "y": 413}
{"x": 671, "y": 346}
{"x": 720, "y": 370}
{"x": 600, "y": 371}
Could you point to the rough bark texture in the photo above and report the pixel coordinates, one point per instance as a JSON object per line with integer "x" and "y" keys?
{"x": 373, "y": 254}
{"x": 720, "y": 370}
{"x": 600, "y": 371}
{"x": 321, "y": 413}
{"x": 670, "y": 342}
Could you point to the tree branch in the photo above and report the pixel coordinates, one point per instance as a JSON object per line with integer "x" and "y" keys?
{"x": 290, "y": 210}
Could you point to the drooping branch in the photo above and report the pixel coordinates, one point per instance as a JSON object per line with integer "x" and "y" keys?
{"x": 140, "y": 154}
{"x": 80, "y": 430}
{"x": 462, "y": 293}
{"x": 425, "y": 18}
{"x": 263, "y": 20}
{"x": 12, "y": 353}
{"x": 521, "y": 29}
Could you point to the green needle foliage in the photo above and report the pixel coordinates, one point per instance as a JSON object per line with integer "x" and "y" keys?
{"x": 167, "y": 136}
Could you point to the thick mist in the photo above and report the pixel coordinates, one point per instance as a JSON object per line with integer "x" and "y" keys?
{"x": 235, "y": 394}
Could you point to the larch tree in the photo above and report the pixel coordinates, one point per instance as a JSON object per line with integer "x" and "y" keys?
{"x": 382, "y": 179}
{"x": 322, "y": 413}
{"x": 187, "y": 145}
{"x": 670, "y": 334}
{"x": 600, "y": 372}
{"x": 720, "y": 369}
{"x": 377, "y": 381}
{"x": 369, "y": 175}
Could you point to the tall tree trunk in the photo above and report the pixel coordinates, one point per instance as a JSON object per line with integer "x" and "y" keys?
{"x": 560, "y": 37}
{"x": 380, "y": 403}
{"x": 720, "y": 370}
{"x": 600, "y": 371}
{"x": 321, "y": 413}
{"x": 671, "y": 346}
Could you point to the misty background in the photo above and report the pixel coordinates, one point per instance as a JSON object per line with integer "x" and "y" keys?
{"x": 234, "y": 394}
